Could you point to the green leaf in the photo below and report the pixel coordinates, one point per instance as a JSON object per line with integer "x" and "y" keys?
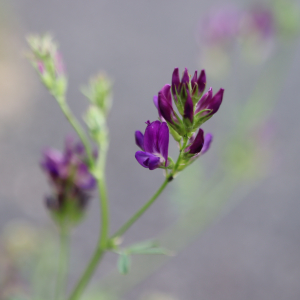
{"x": 124, "y": 263}
{"x": 148, "y": 247}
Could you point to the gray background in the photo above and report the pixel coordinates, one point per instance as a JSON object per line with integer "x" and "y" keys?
{"x": 250, "y": 253}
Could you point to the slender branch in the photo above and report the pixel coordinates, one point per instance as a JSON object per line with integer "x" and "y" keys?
{"x": 94, "y": 262}
{"x": 63, "y": 263}
{"x": 103, "y": 237}
{"x": 142, "y": 210}
{"x": 78, "y": 128}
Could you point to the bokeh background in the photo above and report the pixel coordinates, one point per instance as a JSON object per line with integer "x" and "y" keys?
{"x": 232, "y": 218}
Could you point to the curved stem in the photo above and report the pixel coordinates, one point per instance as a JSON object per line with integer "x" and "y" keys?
{"x": 103, "y": 237}
{"x": 142, "y": 210}
{"x": 78, "y": 128}
{"x": 96, "y": 258}
{"x": 63, "y": 264}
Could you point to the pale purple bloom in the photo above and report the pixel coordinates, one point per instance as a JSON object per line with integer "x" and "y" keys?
{"x": 41, "y": 67}
{"x": 155, "y": 145}
{"x": 220, "y": 26}
{"x": 69, "y": 176}
{"x": 259, "y": 20}
{"x": 59, "y": 64}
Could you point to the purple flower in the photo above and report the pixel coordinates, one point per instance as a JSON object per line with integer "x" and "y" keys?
{"x": 186, "y": 94}
{"x": 155, "y": 144}
{"x": 221, "y": 26}
{"x": 259, "y": 20}
{"x": 208, "y": 101}
{"x": 165, "y": 108}
{"x": 199, "y": 144}
{"x": 69, "y": 176}
{"x": 199, "y": 82}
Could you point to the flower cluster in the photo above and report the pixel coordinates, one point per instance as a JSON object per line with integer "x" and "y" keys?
{"x": 194, "y": 106}
{"x": 70, "y": 179}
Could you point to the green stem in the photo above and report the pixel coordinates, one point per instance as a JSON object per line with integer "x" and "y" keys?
{"x": 142, "y": 210}
{"x": 63, "y": 264}
{"x": 82, "y": 283}
{"x": 103, "y": 237}
{"x": 78, "y": 128}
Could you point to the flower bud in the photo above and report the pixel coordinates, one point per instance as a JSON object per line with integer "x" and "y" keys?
{"x": 48, "y": 62}
{"x": 99, "y": 92}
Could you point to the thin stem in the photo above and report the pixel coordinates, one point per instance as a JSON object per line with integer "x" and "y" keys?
{"x": 63, "y": 264}
{"x": 103, "y": 237}
{"x": 94, "y": 262}
{"x": 103, "y": 198}
{"x": 78, "y": 128}
{"x": 142, "y": 210}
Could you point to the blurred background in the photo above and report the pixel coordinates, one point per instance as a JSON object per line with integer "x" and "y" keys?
{"x": 232, "y": 218}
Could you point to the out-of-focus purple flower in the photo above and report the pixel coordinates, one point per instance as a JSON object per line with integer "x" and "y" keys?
{"x": 220, "y": 26}
{"x": 259, "y": 21}
{"x": 155, "y": 145}
{"x": 208, "y": 101}
{"x": 41, "y": 67}
{"x": 69, "y": 176}
{"x": 199, "y": 144}
{"x": 59, "y": 64}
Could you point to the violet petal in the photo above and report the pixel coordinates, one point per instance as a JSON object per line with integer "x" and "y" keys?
{"x": 151, "y": 136}
{"x": 84, "y": 179}
{"x": 189, "y": 108}
{"x": 207, "y": 141}
{"x": 197, "y": 145}
{"x": 194, "y": 80}
{"x": 166, "y": 110}
{"x": 166, "y": 93}
{"x": 204, "y": 101}
{"x": 185, "y": 77}
{"x": 163, "y": 141}
{"x": 175, "y": 81}
{"x": 143, "y": 158}
{"x": 201, "y": 82}
{"x": 139, "y": 139}
{"x": 154, "y": 162}
{"x": 216, "y": 101}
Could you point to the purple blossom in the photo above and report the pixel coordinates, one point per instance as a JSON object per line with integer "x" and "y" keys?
{"x": 165, "y": 107}
{"x": 198, "y": 144}
{"x": 191, "y": 102}
{"x": 259, "y": 20}
{"x": 69, "y": 176}
{"x": 220, "y": 26}
{"x": 208, "y": 101}
{"x": 155, "y": 144}
{"x": 189, "y": 108}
